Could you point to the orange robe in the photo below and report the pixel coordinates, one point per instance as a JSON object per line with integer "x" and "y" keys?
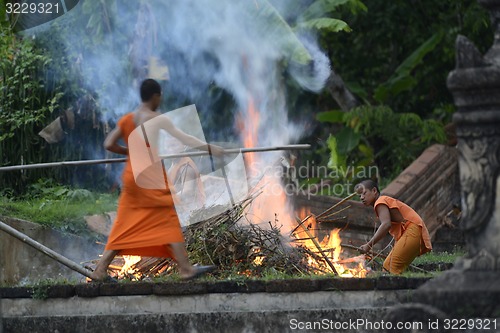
{"x": 411, "y": 236}
{"x": 146, "y": 220}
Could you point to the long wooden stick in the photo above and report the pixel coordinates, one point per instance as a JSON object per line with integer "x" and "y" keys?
{"x": 62, "y": 163}
{"x": 300, "y": 223}
{"x": 239, "y": 150}
{"x": 336, "y": 205}
{"x": 124, "y": 159}
{"x": 322, "y": 218}
{"x": 315, "y": 242}
{"x": 42, "y": 248}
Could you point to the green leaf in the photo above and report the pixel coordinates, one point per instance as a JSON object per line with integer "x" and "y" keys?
{"x": 335, "y": 116}
{"x": 347, "y": 140}
{"x": 401, "y": 80}
{"x": 325, "y": 23}
{"x": 61, "y": 192}
{"x": 365, "y": 150}
{"x": 356, "y": 6}
{"x": 270, "y": 23}
{"x": 357, "y": 89}
{"x": 321, "y": 7}
{"x": 337, "y": 160}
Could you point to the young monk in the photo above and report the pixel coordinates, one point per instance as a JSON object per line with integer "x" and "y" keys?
{"x": 401, "y": 221}
{"x": 146, "y": 222}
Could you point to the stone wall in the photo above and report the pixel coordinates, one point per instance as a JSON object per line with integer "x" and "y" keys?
{"x": 430, "y": 185}
{"x": 22, "y": 264}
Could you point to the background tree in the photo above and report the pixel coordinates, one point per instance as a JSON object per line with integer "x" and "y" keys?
{"x": 395, "y": 63}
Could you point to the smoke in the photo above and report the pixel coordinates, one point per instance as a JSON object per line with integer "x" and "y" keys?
{"x": 244, "y": 47}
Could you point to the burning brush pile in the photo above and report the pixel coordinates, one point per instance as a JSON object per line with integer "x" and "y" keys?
{"x": 237, "y": 246}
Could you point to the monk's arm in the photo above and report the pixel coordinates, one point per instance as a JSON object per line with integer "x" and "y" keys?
{"x": 111, "y": 142}
{"x": 190, "y": 140}
{"x": 385, "y": 220}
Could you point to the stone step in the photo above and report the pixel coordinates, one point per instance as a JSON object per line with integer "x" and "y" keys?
{"x": 197, "y": 306}
{"x": 448, "y": 240}
{"x": 299, "y": 320}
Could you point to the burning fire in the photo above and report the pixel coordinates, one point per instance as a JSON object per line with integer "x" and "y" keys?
{"x": 249, "y": 128}
{"x": 328, "y": 250}
{"x": 274, "y": 199}
{"x": 325, "y": 256}
{"x": 272, "y": 203}
{"x": 128, "y": 267}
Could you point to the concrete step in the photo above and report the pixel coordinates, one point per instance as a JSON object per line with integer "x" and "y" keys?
{"x": 299, "y": 320}
{"x": 448, "y": 240}
{"x": 224, "y": 306}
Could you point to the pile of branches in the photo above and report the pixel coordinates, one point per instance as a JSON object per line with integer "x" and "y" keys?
{"x": 230, "y": 242}
{"x": 234, "y": 244}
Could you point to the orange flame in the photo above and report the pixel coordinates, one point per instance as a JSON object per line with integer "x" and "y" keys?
{"x": 331, "y": 247}
{"x": 249, "y": 128}
{"x": 128, "y": 267}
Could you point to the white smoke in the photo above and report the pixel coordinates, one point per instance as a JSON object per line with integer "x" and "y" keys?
{"x": 244, "y": 47}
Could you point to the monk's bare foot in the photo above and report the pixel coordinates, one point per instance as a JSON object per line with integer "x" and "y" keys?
{"x": 98, "y": 276}
{"x": 186, "y": 272}
{"x": 198, "y": 271}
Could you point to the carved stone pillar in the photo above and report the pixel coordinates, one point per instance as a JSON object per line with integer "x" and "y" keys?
{"x": 472, "y": 287}
{"x": 475, "y": 84}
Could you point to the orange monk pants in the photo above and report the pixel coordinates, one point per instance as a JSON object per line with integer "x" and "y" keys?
{"x": 405, "y": 250}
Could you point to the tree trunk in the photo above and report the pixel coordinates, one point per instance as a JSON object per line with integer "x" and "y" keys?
{"x": 344, "y": 98}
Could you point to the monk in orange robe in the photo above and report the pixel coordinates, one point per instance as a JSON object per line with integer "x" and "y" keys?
{"x": 146, "y": 222}
{"x": 401, "y": 222}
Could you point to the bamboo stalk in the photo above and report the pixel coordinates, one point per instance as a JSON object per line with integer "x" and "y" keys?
{"x": 336, "y": 205}
{"x": 42, "y": 248}
{"x": 239, "y": 150}
{"x": 124, "y": 159}
{"x": 300, "y": 224}
{"x": 332, "y": 214}
{"x": 315, "y": 242}
{"x": 62, "y": 163}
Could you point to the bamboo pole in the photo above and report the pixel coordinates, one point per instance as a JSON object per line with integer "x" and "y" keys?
{"x": 62, "y": 163}
{"x": 322, "y": 218}
{"x": 315, "y": 242}
{"x": 42, "y": 248}
{"x": 239, "y": 150}
{"x": 336, "y": 205}
{"x": 124, "y": 159}
{"x": 300, "y": 223}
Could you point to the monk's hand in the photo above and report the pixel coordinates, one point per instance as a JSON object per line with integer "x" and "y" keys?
{"x": 365, "y": 248}
{"x": 215, "y": 150}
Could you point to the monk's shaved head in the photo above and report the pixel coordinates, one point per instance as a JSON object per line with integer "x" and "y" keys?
{"x": 366, "y": 184}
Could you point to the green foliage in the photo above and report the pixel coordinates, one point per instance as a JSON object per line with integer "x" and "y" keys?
{"x": 40, "y": 289}
{"x": 376, "y": 134}
{"x": 3, "y": 18}
{"x": 396, "y": 138}
{"x": 58, "y": 206}
{"x": 38, "y": 80}
{"x": 26, "y": 102}
{"x": 272, "y": 23}
{"x": 317, "y": 16}
{"x": 320, "y": 8}
{"x": 400, "y": 52}
{"x": 439, "y": 257}
{"x": 402, "y": 79}
{"x": 325, "y": 23}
